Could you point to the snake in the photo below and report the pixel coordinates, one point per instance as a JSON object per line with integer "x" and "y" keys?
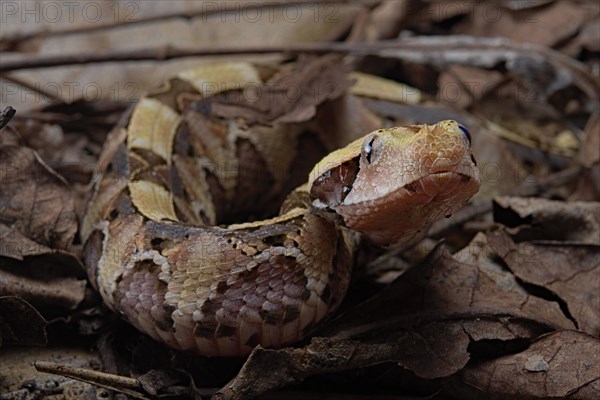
{"x": 226, "y": 213}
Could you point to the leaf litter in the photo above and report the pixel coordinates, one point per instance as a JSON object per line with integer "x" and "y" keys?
{"x": 507, "y": 308}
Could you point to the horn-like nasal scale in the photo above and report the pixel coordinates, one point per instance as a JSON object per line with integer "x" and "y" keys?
{"x": 392, "y": 184}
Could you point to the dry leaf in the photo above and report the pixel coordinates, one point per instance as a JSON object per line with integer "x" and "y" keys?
{"x": 52, "y": 282}
{"x": 547, "y": 25}
{"x": 462, "y": 86}
{"x": 570, "y": 271}
{"x": 542, "y": 219}
{"x": 588, "y": 185}
{"x": 559, "y": 365}
{"x": 35, "y": 201}
{"x": 290, "y": 97}
{"x": 20, "y": 323}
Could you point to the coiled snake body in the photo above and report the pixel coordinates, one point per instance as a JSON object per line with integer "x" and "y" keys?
{"x": 163, "y": 240}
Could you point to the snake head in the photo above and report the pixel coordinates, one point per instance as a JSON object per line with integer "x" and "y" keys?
{"x": 392, "y": 184}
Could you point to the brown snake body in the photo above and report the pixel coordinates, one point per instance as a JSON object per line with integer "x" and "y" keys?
{"x": 163, "y": 242}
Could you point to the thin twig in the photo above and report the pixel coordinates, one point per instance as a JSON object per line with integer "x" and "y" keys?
{"x": 6, "y": 115}
{"x": 436, "y": 50}
{"x": 206, "y": 10}
{"x": 123, "y": 384}
{"x": 159, "y": 54}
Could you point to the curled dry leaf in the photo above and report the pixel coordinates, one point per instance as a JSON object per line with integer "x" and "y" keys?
{"x": 20, "y": 323}
{"x": 155, "y": 381}
{"x": 35, "y": 201}
{"x": 563, "y": 364}
{"x": 67, "y": 149}
{"x": 291, "y": 96}
{"x": 424, "y": 321}
{"x": 541, "y": 219}
{"x": 37, "y": 228}
{"x": 570, "y": 271}
{"x": 287, "y": 366}
{"x": 16, "y": 245}
{"x": 53, "y": 282}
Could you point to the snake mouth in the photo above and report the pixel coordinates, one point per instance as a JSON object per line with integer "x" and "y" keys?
{"x": 442, "y": 183}
{"x": 437, "y": 176}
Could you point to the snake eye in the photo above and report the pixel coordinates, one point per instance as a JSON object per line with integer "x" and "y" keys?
{"x": 465, "y": 131}
{"x": 368, "y": 149}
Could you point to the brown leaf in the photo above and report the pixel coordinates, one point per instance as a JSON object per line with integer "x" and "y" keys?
{"x": 35, "y": 201}
{"x": 563, "y": 364}
{"x": 155, "y": 381}
{"x": 589, "y": 153}
{"x": 386, "y": 19}
{"x": 292, "y": 97}
{"x": 37, "y": 225}
{"x": 546, "y": 25}
{"x": 587, "y": 38}
{"x": 287, "y": 366}
{"x": 570, "y": 271}
{"x": 17, "y": 246}
{"x": 588, "y": 185}
{"x": 461, "y": 86}
{"x": 443, "y": 287}
{"x": 20, "y": 323}
{"x": 541, "y": 219}
{"x": 52, "y": 282}
{"x": 68, "y": 153}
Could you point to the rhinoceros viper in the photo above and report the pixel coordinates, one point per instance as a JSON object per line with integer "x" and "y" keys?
{"x": 164, "y": 239}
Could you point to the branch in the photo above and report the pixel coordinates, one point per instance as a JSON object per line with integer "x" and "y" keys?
{"x": 123, "y": 384}
{"x": 521, "y": 58}
{"x": 204, "y": 11}
{"x": 158, "y": 54}
{"x": 6, "y": 115}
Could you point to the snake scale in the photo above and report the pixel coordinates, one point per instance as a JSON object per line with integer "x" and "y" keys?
{"x": 165, "y": 242}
